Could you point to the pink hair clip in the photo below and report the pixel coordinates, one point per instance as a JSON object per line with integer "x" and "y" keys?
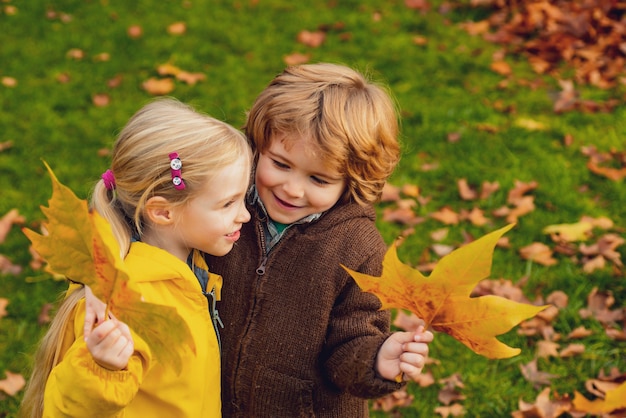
{"x": 176, "y": 164}
{"x": 109, "y": 180}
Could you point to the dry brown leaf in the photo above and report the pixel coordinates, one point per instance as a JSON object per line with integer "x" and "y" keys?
{"x": 572, "y": 350}
{"x": 7, "y": 267}
{"x": 407, "y": 322}
{"x": 12, "y": 384}
{"x": 390, "y": 193}
{"x": 538, "y": 253}
{"x": 534, "y": 376}
{"x": 311, "y": 39}
{"x": 558, "y": 298}
{"x": 296, "y": 58}
{"x": 425, "y": 379}
{"x": 44, "y": 314}
{"x": 6, "y": 145}
{"x": 544, "y": 407}
{"x": 177, "y": 28}
{"x": 134, "y": 31}
{"x": 465, "y": 190}
{"x": 579, "y": 332}
{"x": 598, "y": 307}
{"x": 11, "y": 218}
{"x": 446, "y": 215}
{"x": 476, "y": 216}
{"x": 3, "y": 305}
{"x": 190, "y": 78}
{"x": 547, "y": 349}
{"x": 101, "y": 100}
{"x": 501, "y": 67}
{"x": 8, "y": 81}
{"x": 398, "y": 399}
{"x": 410, "y": 190}
{"x": 158, "y": 86}
{"x": 455, "y": 410}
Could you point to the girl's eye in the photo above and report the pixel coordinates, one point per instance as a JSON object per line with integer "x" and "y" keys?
{"x": 229, "y": 204}
{"x": 280, "y": 165}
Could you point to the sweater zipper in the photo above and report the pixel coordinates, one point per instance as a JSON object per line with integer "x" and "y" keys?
{"x": 260, "y": 270}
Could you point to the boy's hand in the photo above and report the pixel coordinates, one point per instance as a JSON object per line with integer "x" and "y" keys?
{"x": 111, "y": 344}
{"x": 94, "y": 312}
{"x": 403, "y": 353}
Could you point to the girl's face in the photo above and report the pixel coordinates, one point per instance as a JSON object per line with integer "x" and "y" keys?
{"x": 293, "y": 183}
{"x": 211, "y": 221}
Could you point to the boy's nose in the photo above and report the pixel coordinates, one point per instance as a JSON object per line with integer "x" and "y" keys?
{"x": 293, "y": 188}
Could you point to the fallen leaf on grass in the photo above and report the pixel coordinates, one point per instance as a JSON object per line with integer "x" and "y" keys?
{"x": 455, "y": 410}
{"x": 534, "y": 376}
{"x": 7, "y": 267}
{"x": 543, "y": 407}
{"x": 538, "y": 253}
{"x": 158, "y": 86}
{"x": 3, "y": 305}
{"x": 398, "y": 399}
{"x": 443, "y": 299}
{"x": 614, "y": 399}
{"x": 7, "y": 221}
{"x": 6, "y": 145}
{"x": 296, "y": 58}
{"x": 12, "y": 384}
{"x": 177, "y": 28}
{"x": 579, "y": 231}
{"x": 311, "y": 39}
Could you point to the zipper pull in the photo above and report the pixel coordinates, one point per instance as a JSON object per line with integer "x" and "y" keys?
{"x": 261, "y": 269}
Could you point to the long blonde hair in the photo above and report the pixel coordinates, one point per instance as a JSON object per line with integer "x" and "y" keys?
{"x": 49, "y": 354}
{"x": 140, "y": 165}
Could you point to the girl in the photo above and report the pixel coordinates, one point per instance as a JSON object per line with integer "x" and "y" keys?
{"x": 176, "y": 188}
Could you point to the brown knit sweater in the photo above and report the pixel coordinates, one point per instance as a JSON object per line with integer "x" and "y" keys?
{"x": 300, "y": 339}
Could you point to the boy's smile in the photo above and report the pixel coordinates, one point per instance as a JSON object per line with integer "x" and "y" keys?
{"x": 293, "y": 182}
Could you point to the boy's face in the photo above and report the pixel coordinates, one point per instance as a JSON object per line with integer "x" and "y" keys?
{"x": 293, "y": 183}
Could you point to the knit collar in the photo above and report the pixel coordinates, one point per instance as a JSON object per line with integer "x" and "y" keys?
{"x": 273, "y": 231}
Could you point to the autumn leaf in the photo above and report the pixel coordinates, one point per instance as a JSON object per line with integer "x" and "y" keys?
{"x": 3, "y": 304}
{"x": 81, "y": 246}
{"x": 443, "y": 299}
{"x": 12, "y": 384}
{"x": 614, "y": 399}
{"x": 579, "y": 231}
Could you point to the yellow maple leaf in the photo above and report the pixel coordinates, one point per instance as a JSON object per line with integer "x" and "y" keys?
{"x": 81, "y": 246}
{"x": 614, "y": 399}
{"x": 443, "y": 299}
{"x": 579, "y": 231}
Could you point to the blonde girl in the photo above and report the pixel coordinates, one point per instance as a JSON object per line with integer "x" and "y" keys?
{"x": 175, "y": 189}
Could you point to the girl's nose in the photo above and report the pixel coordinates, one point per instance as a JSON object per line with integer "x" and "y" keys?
{"x": 244, "y": 215}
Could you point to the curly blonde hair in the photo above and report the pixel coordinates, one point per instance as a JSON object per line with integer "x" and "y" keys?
{"x": 352, "y": 122}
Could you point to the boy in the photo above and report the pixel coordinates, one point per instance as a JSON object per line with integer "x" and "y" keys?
{"x": 300, "y": 338}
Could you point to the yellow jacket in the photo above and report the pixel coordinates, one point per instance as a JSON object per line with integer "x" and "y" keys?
{"x": 78, "y": 387}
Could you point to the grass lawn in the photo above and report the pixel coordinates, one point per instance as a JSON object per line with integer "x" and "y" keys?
{"x": 72, "y": 74}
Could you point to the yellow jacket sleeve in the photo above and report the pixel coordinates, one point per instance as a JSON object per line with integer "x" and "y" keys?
{"x": 79, "y": 387}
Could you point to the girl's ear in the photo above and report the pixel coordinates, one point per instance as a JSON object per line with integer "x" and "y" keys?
{"x": 159, "y": 211}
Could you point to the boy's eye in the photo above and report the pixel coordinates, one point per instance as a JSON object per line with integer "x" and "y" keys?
{"x": 319, "y": 180}
{"x": 280, "y": 165}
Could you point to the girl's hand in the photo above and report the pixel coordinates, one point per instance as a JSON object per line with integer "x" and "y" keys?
{"x": 403, "y": 353}
{"x": 111, "y": 344}
{"x": 94, "y": 312}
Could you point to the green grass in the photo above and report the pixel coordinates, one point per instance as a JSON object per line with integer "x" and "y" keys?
{"x": 442, "y": 87}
